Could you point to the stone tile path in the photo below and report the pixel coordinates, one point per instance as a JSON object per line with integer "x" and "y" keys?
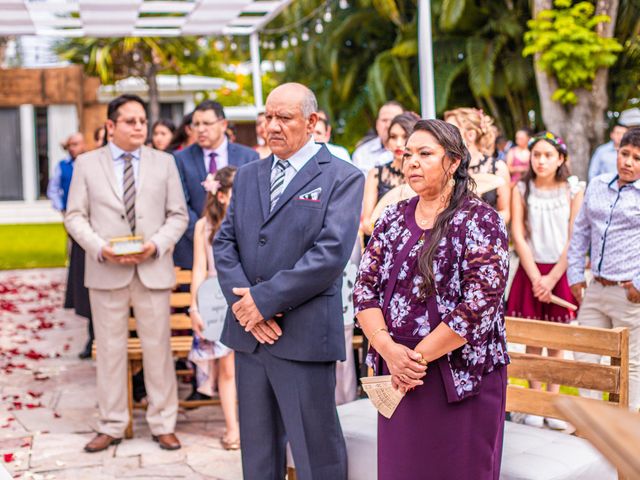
{"x": 48, "y": 404}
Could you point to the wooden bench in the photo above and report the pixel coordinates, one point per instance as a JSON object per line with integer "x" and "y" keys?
{"x": 180, "y": 346}
{"x": 528, "y": 452}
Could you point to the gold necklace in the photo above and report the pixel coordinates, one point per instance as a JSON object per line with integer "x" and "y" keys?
{"x": 423, "y": 223}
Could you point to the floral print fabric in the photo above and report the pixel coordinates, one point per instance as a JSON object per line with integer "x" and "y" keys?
{"x": 470, "y": 267}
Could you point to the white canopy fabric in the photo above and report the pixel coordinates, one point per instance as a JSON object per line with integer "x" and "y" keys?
{"x": 136, "y": 18}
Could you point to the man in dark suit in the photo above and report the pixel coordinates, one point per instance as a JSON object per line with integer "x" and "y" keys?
{"x": 279, "y": 259}
{"x": 211, "y": 152}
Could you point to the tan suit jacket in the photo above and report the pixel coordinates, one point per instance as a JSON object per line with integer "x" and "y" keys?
{"x": 95, "y": 214}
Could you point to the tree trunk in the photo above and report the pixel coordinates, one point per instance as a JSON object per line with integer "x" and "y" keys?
{"x": 581, "y": 125}
{"x": 154, "y": 95}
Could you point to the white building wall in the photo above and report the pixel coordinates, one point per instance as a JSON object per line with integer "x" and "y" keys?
{"x": 62, "y": 121}
{"x": 28, "y": 147}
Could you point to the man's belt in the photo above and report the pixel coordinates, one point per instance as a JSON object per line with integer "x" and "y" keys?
{"x": 609, "y": 283}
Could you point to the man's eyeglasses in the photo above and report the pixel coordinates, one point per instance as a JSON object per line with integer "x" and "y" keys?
{"x": 197, "y": 125}
{"x": 131, "y": 122}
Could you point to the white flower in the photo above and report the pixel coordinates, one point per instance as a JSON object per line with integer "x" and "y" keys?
{"x": 398, "y": 308}
{"x": 423, "y": 326}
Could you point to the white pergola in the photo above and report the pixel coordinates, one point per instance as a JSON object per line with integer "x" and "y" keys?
{"x": 154, "y": 18}
{"x": 143, "y": 18}
{"x": 136, "y": 18}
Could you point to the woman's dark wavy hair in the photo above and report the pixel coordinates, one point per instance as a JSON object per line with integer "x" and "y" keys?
{"x": 562, "y": 173}
{"x": 406, "y": 120}
{"x": 215, "y": 211}
{"x": 449, "y": 138}
{"x": 180, "y": 135}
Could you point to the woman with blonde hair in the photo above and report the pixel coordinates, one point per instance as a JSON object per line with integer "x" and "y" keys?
{"x": 479, "y": 135}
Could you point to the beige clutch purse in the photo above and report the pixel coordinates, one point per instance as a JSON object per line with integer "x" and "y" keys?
{"x": 382, "y": 394}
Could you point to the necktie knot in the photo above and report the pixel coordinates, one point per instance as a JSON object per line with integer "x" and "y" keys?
{"x": 282, "y": 165}
{"x": 127, "y": 157}
{"x": 277, "y": 181}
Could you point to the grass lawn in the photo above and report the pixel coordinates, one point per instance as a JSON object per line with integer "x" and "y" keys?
{"x": 32, "y": 246}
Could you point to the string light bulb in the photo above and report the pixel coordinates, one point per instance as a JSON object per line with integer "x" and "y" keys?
{"x": 305, "y": 35}
{"x": 294, "y": 41}
{"x": 327, "y": 15}
{"x": 285, "y": 43}
{"x": 319, "y": 28}
{"x": 343, "y": 4}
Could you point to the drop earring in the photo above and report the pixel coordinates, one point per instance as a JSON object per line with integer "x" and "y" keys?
{"x": 452, "y": 182}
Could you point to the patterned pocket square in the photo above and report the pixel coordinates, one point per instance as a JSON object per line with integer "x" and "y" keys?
{"x": 313, "y": 195}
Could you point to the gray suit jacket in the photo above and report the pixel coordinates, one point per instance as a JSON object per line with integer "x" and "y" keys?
{"x": 292, "y": 258}
{"x": 95, "y": 214}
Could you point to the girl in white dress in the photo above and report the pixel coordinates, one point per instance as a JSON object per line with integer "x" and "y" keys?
{"x": 205, "y": 354}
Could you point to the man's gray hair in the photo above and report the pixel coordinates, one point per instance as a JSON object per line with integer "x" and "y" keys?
{"x": 309, "y": 103}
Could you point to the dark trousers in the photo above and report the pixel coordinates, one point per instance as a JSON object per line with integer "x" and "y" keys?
{"x": 285, "y": 400}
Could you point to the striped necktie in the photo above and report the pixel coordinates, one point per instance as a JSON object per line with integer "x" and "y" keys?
{"x": 277, "y": 180}
{"x": 129, "y": 191}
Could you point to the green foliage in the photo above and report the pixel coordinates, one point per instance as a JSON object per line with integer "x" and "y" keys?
{"x": 570, "y": 47}
{"x": 624, "y": 76}
{"x": 368, "y": 55}
{"x": 112, "y": 59}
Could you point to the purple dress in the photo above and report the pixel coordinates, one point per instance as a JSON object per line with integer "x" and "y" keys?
{"x": 429, "y": 435}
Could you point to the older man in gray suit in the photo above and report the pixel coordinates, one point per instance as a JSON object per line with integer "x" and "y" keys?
{"x": 280, "y": 259}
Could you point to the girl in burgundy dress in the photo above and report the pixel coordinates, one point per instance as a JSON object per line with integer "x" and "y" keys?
{"x": 544, "y": 205}
{"x": 429, "y": 294}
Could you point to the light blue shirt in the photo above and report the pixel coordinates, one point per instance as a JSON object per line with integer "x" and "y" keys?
{"x": 604, "y": 160}
{"x": 118, "y": 165}
{"x": 298, "y": 160}
{"x": 54, "y": 188}
{"x": 609, "y": 224}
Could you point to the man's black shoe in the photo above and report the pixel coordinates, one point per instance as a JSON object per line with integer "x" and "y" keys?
{"x": 86, "y": 353}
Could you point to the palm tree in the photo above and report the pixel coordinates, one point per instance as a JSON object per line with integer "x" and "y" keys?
{"x": 368, "y": 54}
{"x": 112, "y": 59}
{"x": 624, "y": 78}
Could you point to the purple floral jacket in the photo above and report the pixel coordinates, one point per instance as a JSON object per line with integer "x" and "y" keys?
{"x": 470, "y": 267}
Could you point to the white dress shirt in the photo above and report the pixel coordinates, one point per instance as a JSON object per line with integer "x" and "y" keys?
{"x": 298, "y": 160}
{"x": 222, "y": 155}
{"x": 370, "y": 154}
{"x": 118, "y": 165}
{"x": 338, "y": 151}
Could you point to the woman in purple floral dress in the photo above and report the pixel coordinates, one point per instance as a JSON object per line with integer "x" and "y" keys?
{"x": 429, "y": 299}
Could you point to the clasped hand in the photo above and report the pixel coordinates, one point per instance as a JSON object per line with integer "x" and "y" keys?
{"x": 404, "y": 366}
{"x": 248, "y": 315}
{"x": 543, "y": 287}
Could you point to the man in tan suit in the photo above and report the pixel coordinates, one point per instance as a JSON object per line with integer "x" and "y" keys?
{"x": 121, "y": 189}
